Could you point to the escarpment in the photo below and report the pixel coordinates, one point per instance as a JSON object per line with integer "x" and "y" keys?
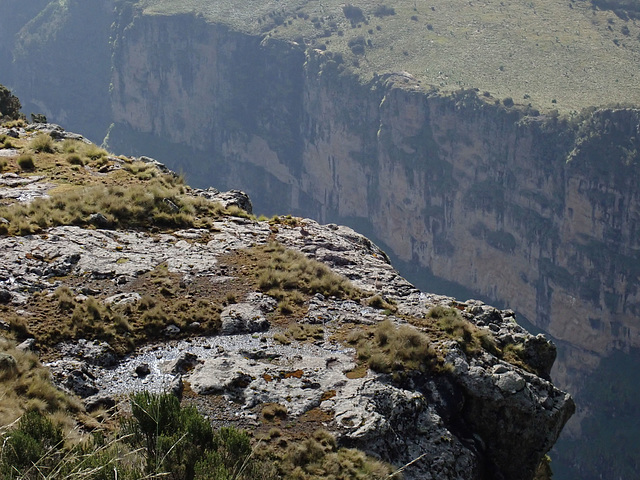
{"x": 240, "y": 316}
{"x": 517, "y": 207}
{"x": 530, "y": 209}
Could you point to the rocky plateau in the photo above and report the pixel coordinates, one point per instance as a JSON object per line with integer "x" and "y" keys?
{"x": 477, "y": 416}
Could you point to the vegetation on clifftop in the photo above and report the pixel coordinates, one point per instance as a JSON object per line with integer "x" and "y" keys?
{"x": 553, "y": 55}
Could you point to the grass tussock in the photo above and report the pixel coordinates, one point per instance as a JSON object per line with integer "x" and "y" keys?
{"x": 26, "y": 163}
{"x": 471, "y": 339}
{"x": 288, "y": 271}
{"x": 26, "y": 385}
{"x": 159, "y": 203}
{"x": 300, "y": 332}
{"x": 319, "y": 456}
{"x": 392, "y": 349}
{"x": 42, "y": 143}
{"x": 122, "y": 326}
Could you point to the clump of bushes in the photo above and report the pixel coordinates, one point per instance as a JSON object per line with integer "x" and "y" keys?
{"x": 181, "y": 442}
{"x": 353, "y": 13}
{"x": 384, "y": 11}
{"x": 357, "y": 45}
{"x": 159, "y": 439}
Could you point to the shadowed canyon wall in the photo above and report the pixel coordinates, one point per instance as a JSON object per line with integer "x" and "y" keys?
{"x": 533, "y": 212}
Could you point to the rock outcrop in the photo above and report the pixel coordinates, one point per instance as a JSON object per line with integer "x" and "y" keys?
{"x": 525, "y": 209}
{"x": 475, "y": 414}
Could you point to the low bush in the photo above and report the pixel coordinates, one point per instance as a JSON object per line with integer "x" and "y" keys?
{"x": 180, "y": 442}
{"x": 384, "y": 11}
{"x": 353, "y": 13}
{"x": 25, "y": 162}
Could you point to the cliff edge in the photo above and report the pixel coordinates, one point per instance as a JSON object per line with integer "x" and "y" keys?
{"x": 125, "y": 279}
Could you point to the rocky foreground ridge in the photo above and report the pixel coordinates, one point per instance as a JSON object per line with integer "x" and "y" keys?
{"x": 197, "y": 306}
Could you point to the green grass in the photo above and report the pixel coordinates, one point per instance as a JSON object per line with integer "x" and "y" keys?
{"x": 534, "y": 52}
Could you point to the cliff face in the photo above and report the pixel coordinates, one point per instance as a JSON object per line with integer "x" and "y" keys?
{"x": 532, "y": 211}
{"x": 529, "y": 211}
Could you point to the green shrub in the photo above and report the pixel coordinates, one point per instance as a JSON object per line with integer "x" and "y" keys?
{"x": 9, "y": 105}
{"x": 25, "y": 162}
{"x": 23, "y": 447}
{"x": 179, "y": 441}
{"x": 38, "y": 118}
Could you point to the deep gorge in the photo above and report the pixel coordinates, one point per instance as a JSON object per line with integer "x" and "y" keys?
{"x": 535, "y": 212}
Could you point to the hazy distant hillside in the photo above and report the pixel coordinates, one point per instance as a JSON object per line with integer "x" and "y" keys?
{"x": 553, "y": 54}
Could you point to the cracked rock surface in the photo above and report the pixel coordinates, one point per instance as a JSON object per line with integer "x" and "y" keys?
{"x": 479, "y": 418}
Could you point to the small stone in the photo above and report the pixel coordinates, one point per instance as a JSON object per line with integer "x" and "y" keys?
{"x": 94, "y": 402}
{"x": 29, "y": 345}
{"x": 510, "y": 382}
{"x": 143, "y": 370}
{"x": 186, "y": 361}
{"x": 172, "y": 330}
{"x": 498, "y": 369}
{"x": 176, "y": 387}
{"x": 5, "y": 296}
{"x": 8, "y": 364}
{"x": 99, "y": 220}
